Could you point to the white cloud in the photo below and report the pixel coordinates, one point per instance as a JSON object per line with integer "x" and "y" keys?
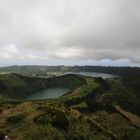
{"x": 67, "y": 53}
{"x": 11, "y": 49}
{"x": 8, "y": 52}
{"x": 12, "y": 53}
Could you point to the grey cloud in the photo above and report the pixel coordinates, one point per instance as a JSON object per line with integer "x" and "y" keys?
{"x": 73, "y": 30}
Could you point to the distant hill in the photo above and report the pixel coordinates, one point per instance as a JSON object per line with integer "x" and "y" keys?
{"x": 36, "y": 69}
{"x": 130, "y": 75}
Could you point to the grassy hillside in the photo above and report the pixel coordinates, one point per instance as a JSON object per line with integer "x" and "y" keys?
{"x": 33, "y": 120}
{"x": 12, "y": 86}
{"x": 88, "y": 112}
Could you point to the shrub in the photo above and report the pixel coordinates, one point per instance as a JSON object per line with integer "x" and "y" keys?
{"x": 42, "y": 119}
{"x": 56, "y": 118}
{"x": 16, "y": 119}
{"x": 59, "y": 118}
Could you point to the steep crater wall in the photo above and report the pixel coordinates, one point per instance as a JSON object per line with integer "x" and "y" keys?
{"x": 18, "y": 86}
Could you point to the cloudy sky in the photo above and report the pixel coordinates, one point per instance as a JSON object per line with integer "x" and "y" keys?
{"x": 70, "y": 32}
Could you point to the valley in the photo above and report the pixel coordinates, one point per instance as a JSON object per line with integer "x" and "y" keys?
{"x": 69, "y": 107}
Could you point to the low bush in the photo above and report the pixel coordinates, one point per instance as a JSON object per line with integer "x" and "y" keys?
{"x": 16, "y": 119}
{"x": 56, "y": 118}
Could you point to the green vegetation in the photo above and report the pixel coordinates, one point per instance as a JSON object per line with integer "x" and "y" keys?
{"x": 82, "y": 105}
{"x": 134, "y": 119}
{"x": 56, "y": 117}
{"x": 82, "y": 91}
{"x": 89, "y": 112}
{"x": 117, "y": 124}
{"x": 18, "y": 87}
{"x": 15, "y": 119}
{"x": 49, "y": 121}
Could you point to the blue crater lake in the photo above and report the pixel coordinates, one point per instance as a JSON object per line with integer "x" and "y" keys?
{"x": 96, "y": 74}
{"x": 91, "y": 74}
{"x": 56, "y": 92}
{"x": 53, "y": 92}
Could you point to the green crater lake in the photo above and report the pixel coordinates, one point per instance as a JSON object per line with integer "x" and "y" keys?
{"x": 53, "y": 92}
